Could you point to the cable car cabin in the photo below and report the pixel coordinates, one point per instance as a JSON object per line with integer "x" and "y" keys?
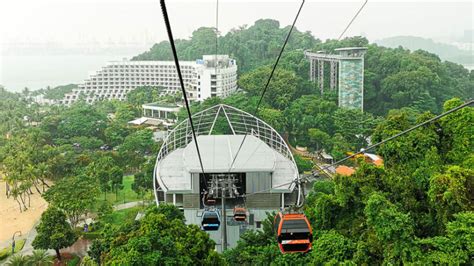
{"x": 210, "y": 221}
{"x": 294, "y": 233}
{"x": 211, "y": 201}
{"x": 240, "y": 214}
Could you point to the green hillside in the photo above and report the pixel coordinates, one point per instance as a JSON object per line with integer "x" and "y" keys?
{"x": 444, "y": 51}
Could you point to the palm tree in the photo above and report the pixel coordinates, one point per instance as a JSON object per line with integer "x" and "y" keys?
{"x": 40, "y": 257}
{"x": 17, "y": 260}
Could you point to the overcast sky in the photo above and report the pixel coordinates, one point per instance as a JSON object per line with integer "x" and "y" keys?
{"x": 72, "y": 21}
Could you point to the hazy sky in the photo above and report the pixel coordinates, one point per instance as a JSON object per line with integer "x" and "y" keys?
{"x": 53, "y": 42}
{"x": 72, "y": 21}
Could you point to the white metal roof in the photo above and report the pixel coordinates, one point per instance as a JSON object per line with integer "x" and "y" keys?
{"x": 372, "y": 156}
{"x": 264, "y": 150}
{"x": 217, "y": 153}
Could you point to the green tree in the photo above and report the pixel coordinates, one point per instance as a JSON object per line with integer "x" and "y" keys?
{"x": 90, "y": 143}
{"x": 54, "y": 232}
{"x": 274, "y": 118}
{"x": 87, "y": 261}
{"x": 452, "y": 192}
{"x": 252, "y": 46}
{"x": 405, "y": 88}
{"x": 355, "y": 126}
{"x": 281, "y": 90}
{"x": 318, "y": 139}
{"x": 456, "y": 247}
{"x": 125, "y": 112}
{"x": 306, "y": 112}
{"x": 104, "y": 170}
{"x": 458, "y": 139}
{"x": 116, "y": 179}
{"x": 142, "y": 95}
{"x": 81, "y": 119}
{"x": 168, "y": 210}
{"x": 75, "y": 196}
{"x": 161, "y": 236}
{"x": 135, "y": 146}
{"x": 339, "y": 146}
{"x": 332, "y": 246}
{"x": 143, "y": 181}
{"x": 116, "y": 132}
{"x": 104, "y": 208}
{"x": 392, "y": 227}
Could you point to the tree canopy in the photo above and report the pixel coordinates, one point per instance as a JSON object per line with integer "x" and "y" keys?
{"x": 54, "y": 232}
{"x": 160, "y": 237}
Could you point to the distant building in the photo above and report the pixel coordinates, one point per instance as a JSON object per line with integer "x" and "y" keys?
{"x": 167, "y": 113}
{"x": 159, "y": 117}
{"x": 374, "y": 159}
{"x": 158, "y": 114}
{"x": 325, "y": 157}
{"x": 345, "y": 170}
{"x": 346, "y": 74}
{"x": 367, "y": 157}
{"x": 211, "y": 76}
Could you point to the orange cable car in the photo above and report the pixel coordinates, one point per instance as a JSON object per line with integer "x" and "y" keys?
{"x": 240, "y": 214}
{"x": 294, "y": 233}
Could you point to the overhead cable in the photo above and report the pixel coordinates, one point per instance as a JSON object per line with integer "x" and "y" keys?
{"x": 352, "y": 20}
{"x": 178, "y": 70}
{"x": 269, "y": 79}
{"x": 466, "y": 104}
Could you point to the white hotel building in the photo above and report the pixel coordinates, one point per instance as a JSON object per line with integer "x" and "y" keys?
{"x": 212, "y": 76}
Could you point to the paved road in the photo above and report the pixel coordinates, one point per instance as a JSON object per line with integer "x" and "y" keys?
{"x": 127, "y": 205}
{"x": 8, "y": 243}
{"x": 28, "y": 248}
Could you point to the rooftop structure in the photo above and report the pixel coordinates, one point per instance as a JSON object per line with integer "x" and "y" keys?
{"x": 167, "y": 113}
{"x": 218, "y": 152}
{"x": 264, "y": 168}
{"x": 345, "y": 170}
{"x": 211, "y": 76}
{"x": 346, "y": 74}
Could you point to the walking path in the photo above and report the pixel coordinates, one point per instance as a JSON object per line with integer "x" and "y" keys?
{"x": 28, "y": 247}
{"x": 127, "y": 205}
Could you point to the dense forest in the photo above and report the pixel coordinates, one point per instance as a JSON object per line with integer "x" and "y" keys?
{"x": 416, "y": 209}
{"x": 394, "y": 78}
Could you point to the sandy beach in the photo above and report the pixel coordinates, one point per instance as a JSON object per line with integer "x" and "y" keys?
{"x": 12, "y": 220}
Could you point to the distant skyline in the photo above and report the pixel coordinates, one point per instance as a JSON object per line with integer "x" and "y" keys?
{"x": 126, "y": 21}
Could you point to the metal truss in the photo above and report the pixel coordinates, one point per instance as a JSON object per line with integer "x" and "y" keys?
{"x": 239, "y": 122}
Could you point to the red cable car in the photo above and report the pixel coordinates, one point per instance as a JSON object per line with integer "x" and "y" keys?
{"x": 211, "y": 201}
{"x": 294, "y": 233}
{"x": 240, "y": 214}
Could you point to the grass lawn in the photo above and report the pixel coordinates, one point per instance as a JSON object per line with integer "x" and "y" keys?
{"x": 122, "y": 216}
{"x": 124, "y": 195}
{"x": 118, "y": 217}
{"x": 114, "y": 218}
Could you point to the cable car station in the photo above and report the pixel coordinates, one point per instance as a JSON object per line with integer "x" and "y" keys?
{"x": 257, "y": 182}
